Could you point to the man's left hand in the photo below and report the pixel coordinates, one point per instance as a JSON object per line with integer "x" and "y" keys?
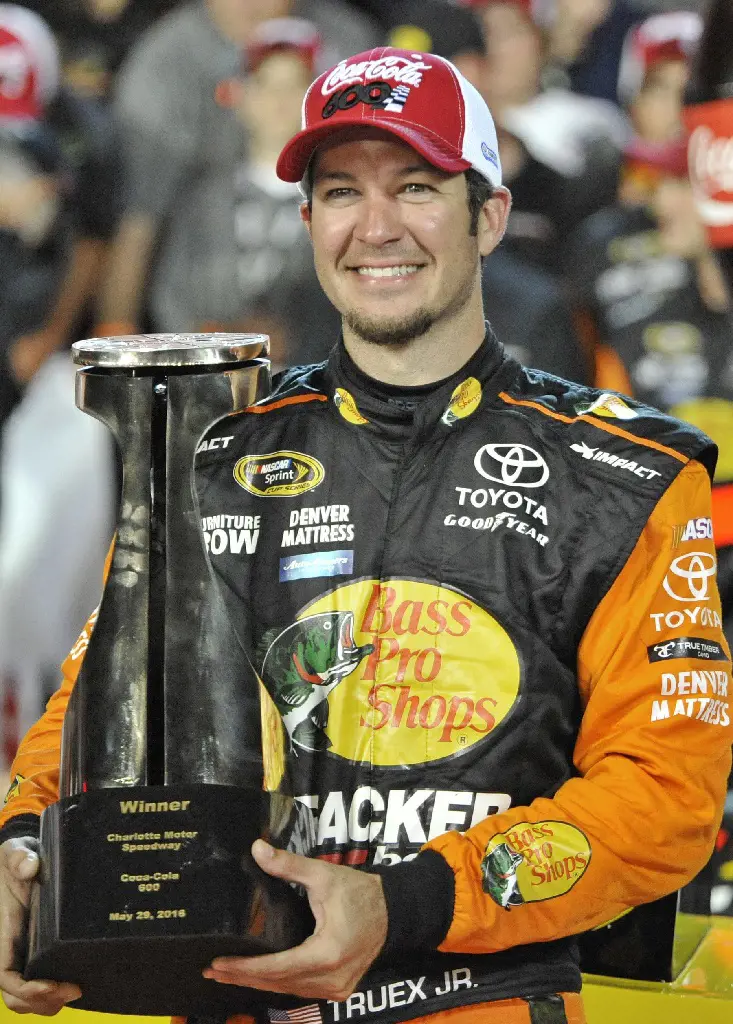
{"x": 351, "y": 926}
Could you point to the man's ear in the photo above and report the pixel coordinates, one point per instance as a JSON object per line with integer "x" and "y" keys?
{"x": 305, "y": 216}
{"x": 493, "y": 220}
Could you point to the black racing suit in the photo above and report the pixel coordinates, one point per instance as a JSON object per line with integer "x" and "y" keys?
{"x": 434, "y": 585}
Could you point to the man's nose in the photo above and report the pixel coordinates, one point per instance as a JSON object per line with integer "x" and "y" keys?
{"x": 378, "y": 221}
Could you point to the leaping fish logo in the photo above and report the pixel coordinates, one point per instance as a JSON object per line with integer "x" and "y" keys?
{"x": 301, "y": 666}
{"x": 499, "y": 870}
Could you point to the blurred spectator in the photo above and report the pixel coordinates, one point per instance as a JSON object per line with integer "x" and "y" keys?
{"x": 659, "y": 306}
{"x": 180, "y": 133}
{"x": 546, "y": 141}
{"x": 86, "y": 137}
{"x": 54, "y": 461}
{"x": 35, "y": 238}
{"x": 530, "y": 313}
{"x": 585, "y": 43}
{"x": 239, "y": 257}
{"x": 429, "y": 27}
{"x": 95, "y": 35}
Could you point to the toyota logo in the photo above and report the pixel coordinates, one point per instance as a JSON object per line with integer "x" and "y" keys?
{"x": 695, "y": 569}
{"x": 518, "y": 465}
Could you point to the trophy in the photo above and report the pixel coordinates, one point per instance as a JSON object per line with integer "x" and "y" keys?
{"x": 146, "y": 872}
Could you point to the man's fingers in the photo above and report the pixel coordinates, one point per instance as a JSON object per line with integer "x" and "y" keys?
{"x": 23, "y": 863}
{"x": 42, "y": 997}
{"x": 281, "y": 864}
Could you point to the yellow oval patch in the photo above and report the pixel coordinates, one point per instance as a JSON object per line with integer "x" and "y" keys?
{"x": 441, "y": 673}
{"x": 533, "y": 861}
{"x": 464, "y": 401}
{"x": 346, "y": 405}
{"x": 278, "y": 474}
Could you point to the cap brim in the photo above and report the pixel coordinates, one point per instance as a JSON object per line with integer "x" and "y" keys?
{"x": 296, "y": 155}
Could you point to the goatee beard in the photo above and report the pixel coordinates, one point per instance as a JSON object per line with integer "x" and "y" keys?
{"x": 389, "y": 332}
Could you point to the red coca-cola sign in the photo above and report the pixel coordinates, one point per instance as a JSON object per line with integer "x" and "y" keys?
{"x": 710, "y": 162}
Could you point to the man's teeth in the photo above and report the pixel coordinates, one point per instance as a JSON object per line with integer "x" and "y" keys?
{"x": 401, "y": 271}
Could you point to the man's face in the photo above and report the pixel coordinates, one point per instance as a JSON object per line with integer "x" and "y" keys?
{"x": 391, "y": 239}
{"x": 270, "y": 99}
{"x": 656, "y": 112}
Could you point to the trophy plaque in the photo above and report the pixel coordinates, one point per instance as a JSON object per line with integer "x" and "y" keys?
{"x": 146, "y": 871}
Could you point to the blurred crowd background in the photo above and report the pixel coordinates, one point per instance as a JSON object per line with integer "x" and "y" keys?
{"x": 138, "y": 140}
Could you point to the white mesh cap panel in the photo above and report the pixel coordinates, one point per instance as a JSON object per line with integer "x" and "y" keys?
{"x": 480, "y": 146}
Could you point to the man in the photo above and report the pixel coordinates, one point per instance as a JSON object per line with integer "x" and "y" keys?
{"x": 180, "y": 139}
{"x": 509, "y": 743}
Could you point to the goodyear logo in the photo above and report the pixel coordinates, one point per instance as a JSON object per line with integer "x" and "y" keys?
{"x": 534, "y": 861}
{"x": 385, "y": 673}
{"x": 279, "y": 474}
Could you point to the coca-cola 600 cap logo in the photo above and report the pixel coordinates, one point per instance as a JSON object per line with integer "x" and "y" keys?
{"x": 710, "y": 161}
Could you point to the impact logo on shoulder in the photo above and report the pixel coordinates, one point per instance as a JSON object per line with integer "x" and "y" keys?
{"x": 278, "y": 474}
{"x": 595, "y": 454}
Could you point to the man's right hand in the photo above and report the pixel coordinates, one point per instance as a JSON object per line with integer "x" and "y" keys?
{"x": 18, "y": 867}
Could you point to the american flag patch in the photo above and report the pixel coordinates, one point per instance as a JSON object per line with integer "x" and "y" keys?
{"x": 310, "y": 1014}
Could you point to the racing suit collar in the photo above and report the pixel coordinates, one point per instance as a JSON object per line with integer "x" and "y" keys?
{"x": 403, "y": 412}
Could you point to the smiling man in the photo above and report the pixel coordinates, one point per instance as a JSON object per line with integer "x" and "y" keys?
{"x": 478, "y": 598}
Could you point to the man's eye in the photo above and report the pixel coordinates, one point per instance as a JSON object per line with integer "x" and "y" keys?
{"x": 339, "y": 193}
{"x": 417, "y": 188}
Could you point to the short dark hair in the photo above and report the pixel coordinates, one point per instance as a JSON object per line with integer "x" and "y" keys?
{"x": 479, "y": 189}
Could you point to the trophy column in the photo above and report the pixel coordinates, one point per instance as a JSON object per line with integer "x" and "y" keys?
{"x": 146, "y": 872}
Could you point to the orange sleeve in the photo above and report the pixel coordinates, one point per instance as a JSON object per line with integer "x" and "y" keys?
{"x": 34, "y": 772}
{"x": 653, "y": 755}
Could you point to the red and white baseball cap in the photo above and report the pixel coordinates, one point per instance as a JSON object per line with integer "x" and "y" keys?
{"x": 295, "y": 35}
{"x": 673, "y": 35}
{"x": 29, "y": 64}
{"x": 420, "y": 98}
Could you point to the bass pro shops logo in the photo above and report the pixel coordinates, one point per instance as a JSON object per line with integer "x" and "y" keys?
{"x": 535, "y": 861}
{"x": 377, "y": 672}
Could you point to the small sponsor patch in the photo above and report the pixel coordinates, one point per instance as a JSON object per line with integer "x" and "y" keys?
{"x": 489, "y": 154}
{"x": 464, "y": 401}
{"x": 533, "y": 861}
{"x": 344, "y": 402}
{"x": 278, "y": 474}
{"x": 687, "y": 647}
{"x": 14, "y": 788}
{"x": 609, "y": 406}
{"x": 316, "y": 563}
{"x": 694, "y": 529}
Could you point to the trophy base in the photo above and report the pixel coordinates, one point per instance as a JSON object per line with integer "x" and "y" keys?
{"x": 142, "y": 887}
